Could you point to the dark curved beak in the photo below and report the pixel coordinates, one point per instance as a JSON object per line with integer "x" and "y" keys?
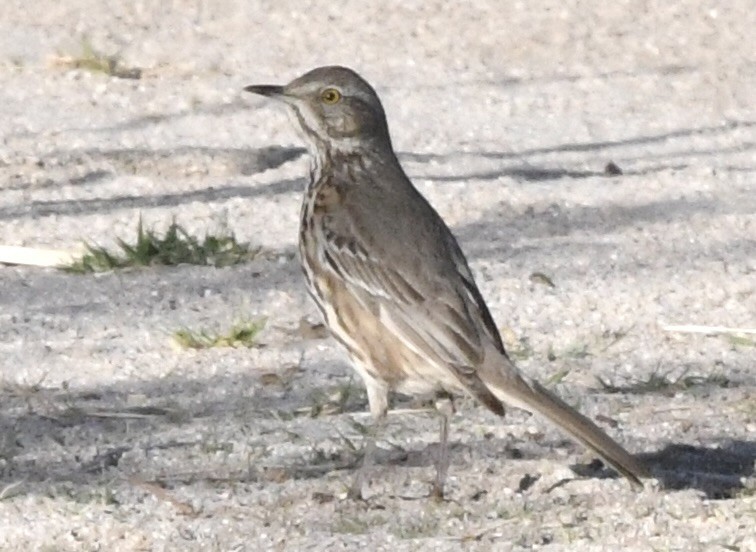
{"x": 269, "y": 90}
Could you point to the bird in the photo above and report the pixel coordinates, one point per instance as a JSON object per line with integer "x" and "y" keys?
{"x": 391, "y": 281}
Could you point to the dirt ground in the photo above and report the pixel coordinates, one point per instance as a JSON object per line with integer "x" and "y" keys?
{"x": 506, "y": 116}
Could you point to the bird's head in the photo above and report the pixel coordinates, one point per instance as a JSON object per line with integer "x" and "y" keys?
{"x": 334, "y": 106}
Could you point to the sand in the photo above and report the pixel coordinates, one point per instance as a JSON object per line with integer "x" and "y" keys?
{"x": 505, "y": 115}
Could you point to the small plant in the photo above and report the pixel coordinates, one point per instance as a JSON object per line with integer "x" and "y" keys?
{"x": 173, "y": 248}
{"x": 242, "y": 334}
{"x": 663, "y": 384}
{"x": 356, "y": 525}
{"x": 557, "y": 377}
{"x": 577, "y": 351}
{"x": 334, "y": 400}
{"x": 741, "y": 341}
{"x": 96, "y": 62}
{"x": 518, "y": 348}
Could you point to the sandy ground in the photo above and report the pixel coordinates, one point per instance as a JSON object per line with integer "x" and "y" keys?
{"x": 505, "y": 115}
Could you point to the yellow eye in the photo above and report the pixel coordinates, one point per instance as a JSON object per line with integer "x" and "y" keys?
{"x": 330, "y": 96}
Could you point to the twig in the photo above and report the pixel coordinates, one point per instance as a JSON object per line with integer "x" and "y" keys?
{"x": 396, "y": 412}
{"x": 5, "y": 492}
{"x": 693, "y": 328}
{"x": 34, "y": 256}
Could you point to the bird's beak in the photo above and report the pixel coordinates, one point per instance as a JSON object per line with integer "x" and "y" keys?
{"x": 272, "y": 91}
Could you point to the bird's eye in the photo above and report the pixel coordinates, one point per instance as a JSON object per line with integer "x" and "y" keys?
{"x": 330, "y": 96}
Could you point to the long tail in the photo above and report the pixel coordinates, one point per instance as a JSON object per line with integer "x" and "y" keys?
{"x": 512, "y": 388}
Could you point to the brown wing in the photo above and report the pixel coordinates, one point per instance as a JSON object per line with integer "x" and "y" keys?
{"x": 432, "y": 306}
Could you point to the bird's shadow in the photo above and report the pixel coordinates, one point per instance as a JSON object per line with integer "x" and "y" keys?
{"x": 718, "y": 472}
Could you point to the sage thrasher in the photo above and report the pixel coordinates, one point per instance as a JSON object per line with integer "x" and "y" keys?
{"x": 390, "y": 279}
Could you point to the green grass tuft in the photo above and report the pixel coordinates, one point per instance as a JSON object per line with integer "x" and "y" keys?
{"x": 242, "y": 334}
{"x": 175, "y": 247}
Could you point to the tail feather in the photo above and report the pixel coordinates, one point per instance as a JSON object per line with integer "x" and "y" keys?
{"x": 535, "y": 398}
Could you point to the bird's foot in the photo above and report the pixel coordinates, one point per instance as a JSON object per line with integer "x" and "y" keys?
{"x": 355, "y": 492}
{"x": 437, "y": 492}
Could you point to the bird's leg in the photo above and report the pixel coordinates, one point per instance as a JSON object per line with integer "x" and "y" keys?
{"x": 445, "y": 407}
{"x": 368, "y": 458}
{"x": 378, "y": 399}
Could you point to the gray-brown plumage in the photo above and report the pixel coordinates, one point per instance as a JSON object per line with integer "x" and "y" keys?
{"x": 389, "y": 277}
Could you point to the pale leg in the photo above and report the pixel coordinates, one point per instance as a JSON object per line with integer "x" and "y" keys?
{"x": 445, "y": 407}
{"x": 378, "y": 399}
{"x": 368, "y": 458}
